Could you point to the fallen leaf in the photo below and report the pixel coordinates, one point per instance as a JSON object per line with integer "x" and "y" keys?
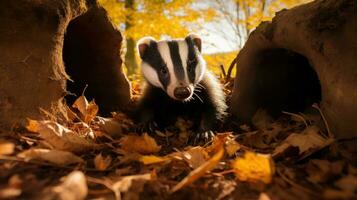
{"x": 254, "y": 167}
{"x": 330, "y": 193}
{"x": 151, "y": 159}
{"x": 219, "y": 141}
{"x": 111, "y": 126}
{"x": 10, "y": 193}
{"x": 322, "y": 170}
{"x": 102, "y": 163}
{"x": 195, "y": 156}
{"x": 6, "y": 148}
{"x": 73, "y": 187}
{"x": 88, "y": 110}
{"x": 306, "y": 142}
{"x": 143, "y": 144}
{"x": 232, "y": 146}
{"x": 54, "y": 156}
{"x": 60, "y": 137}
{"x": 347, "y": 183}
{"x": 200, "y": 171}
{"x": 124, "y": 184}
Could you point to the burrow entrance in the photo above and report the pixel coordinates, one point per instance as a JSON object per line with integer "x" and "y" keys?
{"x": 282, "y": 80}
{"x": 92, "y": 57}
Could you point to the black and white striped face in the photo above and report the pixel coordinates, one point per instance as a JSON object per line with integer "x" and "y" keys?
{"x": 176, "y": 66}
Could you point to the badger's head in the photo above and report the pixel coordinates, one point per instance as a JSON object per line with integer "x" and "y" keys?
{"x": 176, "y": 66}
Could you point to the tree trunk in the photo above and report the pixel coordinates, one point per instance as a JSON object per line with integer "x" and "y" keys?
{"x": 32, "y": 72}
{"x": 130, "y": 60}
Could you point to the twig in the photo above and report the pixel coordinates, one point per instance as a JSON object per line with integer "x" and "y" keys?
{"x": 230, "y": 69}
{"x": 330, "y": 135}
{"x": 298, "y": 116}
{"x": 223, "y": 71}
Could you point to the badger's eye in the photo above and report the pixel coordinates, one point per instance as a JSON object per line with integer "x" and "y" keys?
{"x": 163, "y": 71}
{"x": 191, "y": 62}
{"x": 190, "y": 68}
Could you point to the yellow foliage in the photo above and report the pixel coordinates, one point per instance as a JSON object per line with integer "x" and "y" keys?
{"x": 215, "y": 60}
{"x": 156, "y": 18}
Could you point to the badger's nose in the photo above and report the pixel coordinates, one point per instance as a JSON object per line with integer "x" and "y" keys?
{"x": 182, "y": 92}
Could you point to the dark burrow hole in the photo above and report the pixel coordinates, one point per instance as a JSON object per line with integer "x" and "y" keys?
{"x": 91, "y": 54}
{"x": 284, "y": 80}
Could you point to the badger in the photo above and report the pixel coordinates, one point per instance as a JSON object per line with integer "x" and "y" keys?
{"x": 178, "y": 84}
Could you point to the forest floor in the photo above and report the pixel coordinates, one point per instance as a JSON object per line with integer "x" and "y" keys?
{"x": 84, "y": 156}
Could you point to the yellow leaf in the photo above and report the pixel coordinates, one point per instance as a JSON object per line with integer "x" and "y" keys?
{"x": 254, "y": 167}
{"x": 6, "y": 148}
{"x": 54, "y": 156}
{"x": 102, "y": 163}
{"x": 151, "y": 159}
{"x": 200, "y": 171}
{"x": 143, "y": 144}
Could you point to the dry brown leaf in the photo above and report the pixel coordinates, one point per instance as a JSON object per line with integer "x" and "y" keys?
{"x": 88, "y": 110}
{"x": 124, "y": 184}
{"x": 60, "y": 137}
{"x": 143, "y": 144}
{"x": 102, "y": 163}
{"x": 338, "y": 194}
{"x": 323, "y": 170}
{"x": 195, "y": 156}
{"x": 254, "y": 167}
{"x": 10, "y": 193}
{"x": 200, "y": 171}
{"x": 73, "y": 187}
{"x": 307, "y": 142}
{"x": 347, "y": 183}
{"x": 219, "y": 141}
{"x": 111, "y": 126}
{"x": 232, "y": 146}
{"x": 54, "y": 156}
{"x": 6, "y": 148}
{"x": 151, "y": 159}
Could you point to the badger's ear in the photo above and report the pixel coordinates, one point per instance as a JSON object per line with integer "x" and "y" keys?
{"x": 143, "y": 45}
{"x": 196, "y": 40}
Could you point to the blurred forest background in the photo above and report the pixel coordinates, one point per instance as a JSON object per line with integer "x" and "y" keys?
{"x": 224, "y": 25}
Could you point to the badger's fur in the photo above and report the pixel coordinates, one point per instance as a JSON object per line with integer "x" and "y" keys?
{"x": 179, "y": 84}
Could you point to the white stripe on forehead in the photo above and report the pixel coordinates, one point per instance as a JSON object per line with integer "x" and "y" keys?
{"x": 183, "y": 51}
{"x": 164, "y": 51}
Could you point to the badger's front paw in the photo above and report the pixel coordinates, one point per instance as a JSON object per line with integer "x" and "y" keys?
{"x": 146, "y": 127}
{"x": 201, "y": 138}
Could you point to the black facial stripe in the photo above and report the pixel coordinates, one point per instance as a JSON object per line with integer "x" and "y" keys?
{"x": 191, "y": 59}
{"x": 153, "y": 57}
{"x": 176, "y": 60}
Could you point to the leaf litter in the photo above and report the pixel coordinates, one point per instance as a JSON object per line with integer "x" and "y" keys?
{"x": 92, "y": 157}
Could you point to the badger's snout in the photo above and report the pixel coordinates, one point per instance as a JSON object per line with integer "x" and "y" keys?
{"x": 182, "y": 92}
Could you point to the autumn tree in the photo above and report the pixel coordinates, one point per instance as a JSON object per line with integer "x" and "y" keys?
{"x": 157, "y": 18}
{"x": 244, "y": 15}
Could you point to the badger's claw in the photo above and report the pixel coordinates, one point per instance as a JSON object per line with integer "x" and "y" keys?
{"x": 148, "y": 127}
{"x": 201, "y": 138}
